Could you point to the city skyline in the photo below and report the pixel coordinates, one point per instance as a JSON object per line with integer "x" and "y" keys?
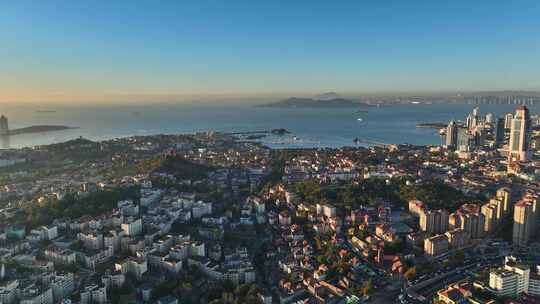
{"x": 265, "y": 152}
{"x": 63, "y": 51}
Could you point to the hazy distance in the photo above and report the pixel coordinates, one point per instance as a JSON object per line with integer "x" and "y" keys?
{"x": 72, "y": 52}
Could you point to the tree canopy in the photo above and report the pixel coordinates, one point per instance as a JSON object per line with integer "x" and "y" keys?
{"x": 74, "y": 205}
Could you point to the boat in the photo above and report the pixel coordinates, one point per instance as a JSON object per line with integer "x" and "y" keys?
{"x": 359, "y": 119}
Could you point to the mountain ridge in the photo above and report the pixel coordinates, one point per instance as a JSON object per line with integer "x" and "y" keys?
{"x": 297, "y": 102}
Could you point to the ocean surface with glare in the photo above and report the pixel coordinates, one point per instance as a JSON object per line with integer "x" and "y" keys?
{"x": 309, "y": 127}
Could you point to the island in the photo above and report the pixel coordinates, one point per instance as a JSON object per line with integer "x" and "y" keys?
{"x": 295, "y": 102}
{"x": 39, "y": 129}
{"x": 327, "y": 96}
{"x": 254, "y": 135}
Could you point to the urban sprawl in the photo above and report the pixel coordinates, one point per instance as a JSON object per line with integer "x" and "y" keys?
{"x": 213, "y": 218}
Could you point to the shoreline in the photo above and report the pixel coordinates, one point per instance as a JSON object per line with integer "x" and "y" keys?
{"x": 38, "y": 129}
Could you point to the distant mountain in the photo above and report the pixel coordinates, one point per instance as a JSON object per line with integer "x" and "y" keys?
{"x": 295, "y": 102}
{"x": 327, "y": 96}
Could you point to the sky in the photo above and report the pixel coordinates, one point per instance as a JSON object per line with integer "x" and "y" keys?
{"x": 92, "y": 51}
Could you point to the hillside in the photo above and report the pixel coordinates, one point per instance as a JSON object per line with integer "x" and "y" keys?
{"x": 183, "y": 169}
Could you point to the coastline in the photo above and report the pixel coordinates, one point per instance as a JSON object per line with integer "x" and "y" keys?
{"x": 39, "y": 129}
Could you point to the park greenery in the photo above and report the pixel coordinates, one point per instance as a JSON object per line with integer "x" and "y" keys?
{"x": 227, "y": 293}
{"x": 74, "y": 205}
{"x": 181, "y": 168}
{"x": 434, "y": 193}
{"x": 276, "y": 167}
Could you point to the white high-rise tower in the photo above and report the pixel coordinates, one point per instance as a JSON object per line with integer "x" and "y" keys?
{"x": 451, "y": 135}
{"x": 520, "y": 134}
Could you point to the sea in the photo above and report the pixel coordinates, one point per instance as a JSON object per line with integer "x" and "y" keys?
{"x": 310, "y": 128}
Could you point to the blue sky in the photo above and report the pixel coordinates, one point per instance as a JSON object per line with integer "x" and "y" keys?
{"x": 86, "y": 49}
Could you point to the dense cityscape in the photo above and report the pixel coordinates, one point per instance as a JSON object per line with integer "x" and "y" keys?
{"x": 214, "y": 218}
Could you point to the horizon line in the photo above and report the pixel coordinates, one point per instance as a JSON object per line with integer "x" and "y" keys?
{"x": 224, "y": 96}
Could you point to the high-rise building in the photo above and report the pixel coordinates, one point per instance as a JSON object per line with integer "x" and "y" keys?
{"x": 489, "y": 118}
{"x": 473, "y": 118}
{"x": 490, "y": 217}
{"x": 436, "y": 245}
{"x": 470, "y": 219}
{"x": 469, "y": 121}
{"x": 496, "y": 209}
{"x": 4, "y": 126}
{"x": 476, "y": 112}
{"x": 520, "y": 133}
{"x": 464, "y": 140}
{"x": 457, "y": 238}
{"x": 451, "y": 135}
{"x": 525, "y": 217}
{"x": 499, "y": 204}
{"x": 499, "y": 131}
{"x": 504, "y": 194}
{"x": 474, "y": 224}
{"x": 508, "y": 120}
{"x": 480, "y": 136}
{"x": 434, "y": 221}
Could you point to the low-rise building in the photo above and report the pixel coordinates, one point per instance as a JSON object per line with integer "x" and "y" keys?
{"x": 60, "y": 256}
{"x": 62, "y": 286}
{"x": 94, "y": 294}
{"x": 136, "y": 267}
{"x": 132, "y": 226}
